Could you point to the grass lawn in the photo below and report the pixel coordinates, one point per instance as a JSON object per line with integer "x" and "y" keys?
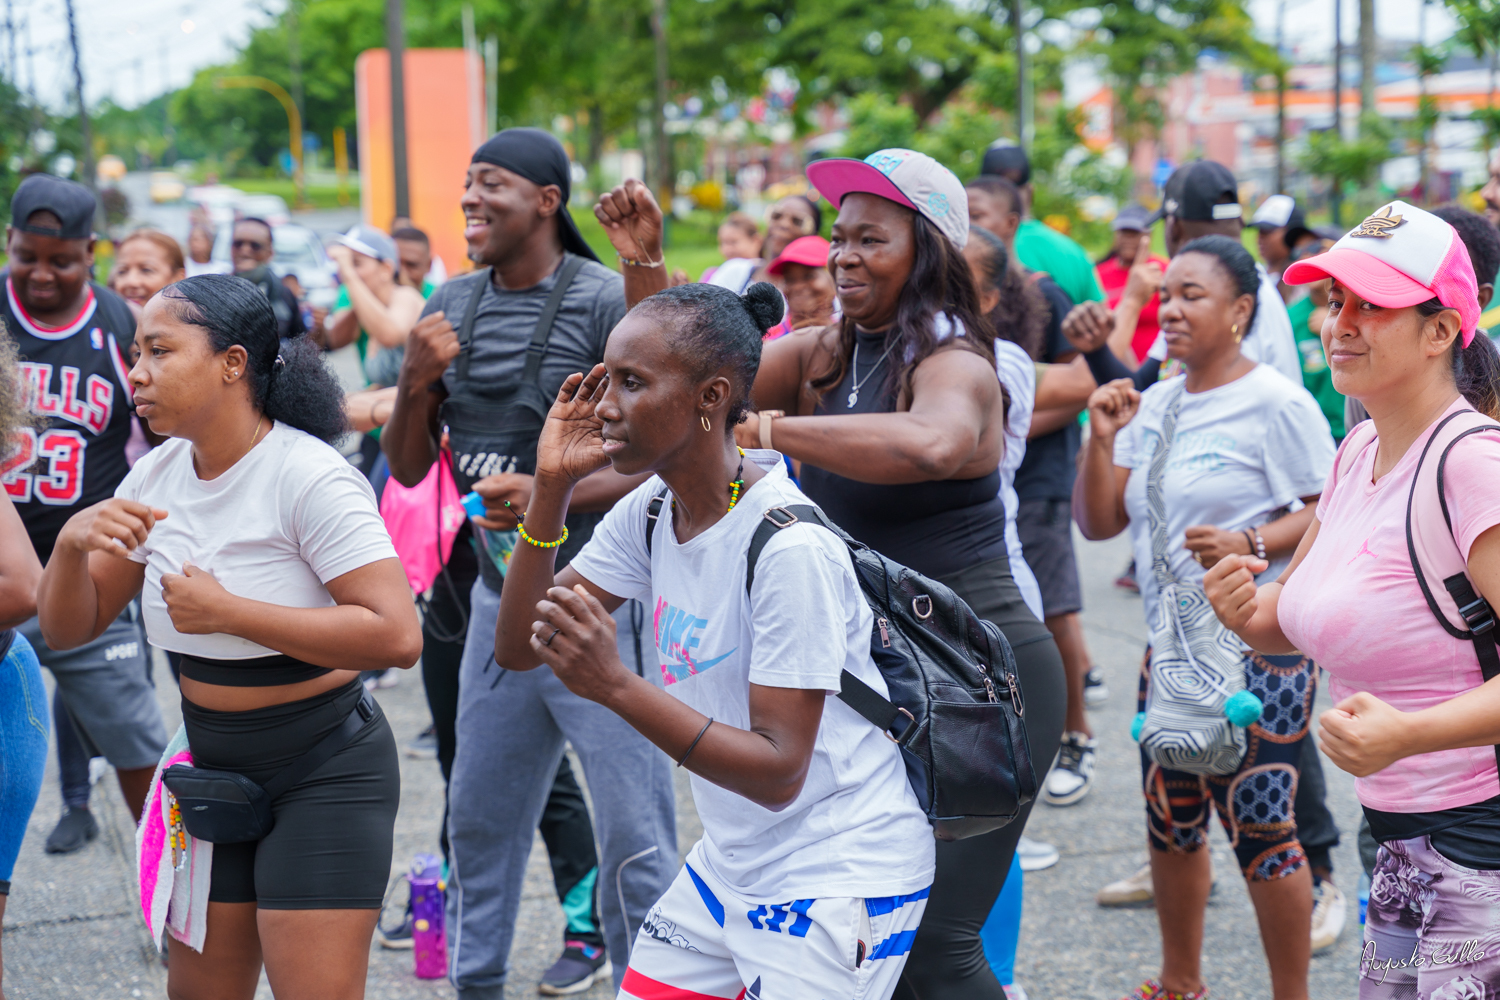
{"x": 319, "y": 195}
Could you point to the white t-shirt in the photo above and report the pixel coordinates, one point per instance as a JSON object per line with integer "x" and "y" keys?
{"x": 1239, "y": 452}
{"x": 1270, "y": 339}
{"x": 856, "y": 828}
{"x": 275, "y": 527}
{"x": 1018, "y": 374}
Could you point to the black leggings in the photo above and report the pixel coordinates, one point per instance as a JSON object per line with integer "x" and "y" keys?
{"x": 330, "y": 848}
{"x": 947, "y": 960}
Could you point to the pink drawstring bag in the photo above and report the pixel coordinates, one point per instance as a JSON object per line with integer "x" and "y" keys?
{"x": 423, "y": 521}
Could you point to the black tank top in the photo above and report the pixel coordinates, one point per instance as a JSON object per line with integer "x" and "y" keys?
{"x": 938, "y": 527}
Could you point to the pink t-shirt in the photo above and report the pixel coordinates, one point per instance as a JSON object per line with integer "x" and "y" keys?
{"x": 1354, "y": 606}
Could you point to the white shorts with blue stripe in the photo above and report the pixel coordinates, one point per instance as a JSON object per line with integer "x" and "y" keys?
{"x": 701, "y": 942}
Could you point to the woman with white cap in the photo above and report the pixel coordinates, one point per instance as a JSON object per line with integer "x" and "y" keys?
{"x": 372, "y": 306}
{"x": 1388, "y": 591}
{"x": 898, "y": 418}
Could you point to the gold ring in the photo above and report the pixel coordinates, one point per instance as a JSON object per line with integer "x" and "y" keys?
{"x": 1198, "y": 556}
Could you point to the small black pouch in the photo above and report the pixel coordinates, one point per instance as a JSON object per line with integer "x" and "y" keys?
{"x": 221, "y": 807}
{"x": 224, "y": 807}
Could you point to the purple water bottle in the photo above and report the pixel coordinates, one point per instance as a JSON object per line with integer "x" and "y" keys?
{"x": 429, "y": 936}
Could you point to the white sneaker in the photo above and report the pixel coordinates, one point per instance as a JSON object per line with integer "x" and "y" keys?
{"x": 1095, "y": 691}
{"x": 1015, "y": 991}
{"x": 1036, "y": 855}
{"x": 1073, "y": 774}
{"x": 1328, "y": 914}
{"x": 1130, "y": 891}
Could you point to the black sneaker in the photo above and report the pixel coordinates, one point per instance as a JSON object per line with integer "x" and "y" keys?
{"x": 398, "y": 938}
{"x": 1095, "y": 690}
{"x": 76, "y": 828}
{"x": 579, "y": 967}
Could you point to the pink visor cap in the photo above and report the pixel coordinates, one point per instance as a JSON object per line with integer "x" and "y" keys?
{"x": 1400, "y": 256}
{"x": 904, "y": 176}
{"x": 809, "y": 251}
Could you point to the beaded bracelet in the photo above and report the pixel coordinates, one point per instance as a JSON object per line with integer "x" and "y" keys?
{"x": 1260, "y": 544}
{"x": 521, "y": 529}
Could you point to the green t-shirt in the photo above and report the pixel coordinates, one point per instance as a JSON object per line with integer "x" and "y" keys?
{"x": 1042, "y": 248}
{"x": 1316, "y": 375}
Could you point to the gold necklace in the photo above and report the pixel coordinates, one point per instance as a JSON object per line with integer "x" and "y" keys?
{"x": 255, "y": 437}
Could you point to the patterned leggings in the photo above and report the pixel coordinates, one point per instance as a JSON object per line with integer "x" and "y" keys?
{"x": 1255, "y": 802}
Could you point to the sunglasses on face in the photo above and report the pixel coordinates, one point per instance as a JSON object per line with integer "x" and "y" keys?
{"x": 253, "y": 245}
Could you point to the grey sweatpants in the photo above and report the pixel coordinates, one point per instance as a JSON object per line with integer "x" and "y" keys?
{"x": 511, "y": 729}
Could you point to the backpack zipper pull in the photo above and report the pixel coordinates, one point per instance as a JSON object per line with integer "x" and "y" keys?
{"x": 989, "y": 684}
{"x": 885, "y": 637}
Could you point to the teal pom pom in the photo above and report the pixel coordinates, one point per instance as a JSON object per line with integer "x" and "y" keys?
{"x": 1136, "y": 725}
{"x": 1243, "y": 708}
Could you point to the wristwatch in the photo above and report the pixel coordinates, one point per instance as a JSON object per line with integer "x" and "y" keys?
{"x": 766, "y": 416}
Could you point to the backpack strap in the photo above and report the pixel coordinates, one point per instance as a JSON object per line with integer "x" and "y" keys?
{"x": 653, "y": 514}
{"x": 1434, "y": 552}
{"x": 871, "y": 705}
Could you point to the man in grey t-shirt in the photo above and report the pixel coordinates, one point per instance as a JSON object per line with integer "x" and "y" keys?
{"x": 512, "y": 726}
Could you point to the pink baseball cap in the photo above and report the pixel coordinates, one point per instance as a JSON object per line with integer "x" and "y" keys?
{"x": 904, "y": 176}
{"x": 811, "y": 251}
{"x": 1400, "y": 256}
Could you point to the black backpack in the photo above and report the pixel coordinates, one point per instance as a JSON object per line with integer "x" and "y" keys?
{"x": 955, "y": 709}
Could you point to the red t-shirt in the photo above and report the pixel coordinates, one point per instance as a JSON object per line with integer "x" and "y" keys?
{"x": 1112, "y": 277}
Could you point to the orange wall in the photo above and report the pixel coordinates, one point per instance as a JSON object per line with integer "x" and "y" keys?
{"x": 444, "y": 125}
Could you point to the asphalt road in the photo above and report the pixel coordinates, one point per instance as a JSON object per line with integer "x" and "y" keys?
{"x": 73, "y": 928}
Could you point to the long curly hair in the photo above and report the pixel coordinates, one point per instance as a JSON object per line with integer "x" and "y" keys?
{"x": 15, "y": 409}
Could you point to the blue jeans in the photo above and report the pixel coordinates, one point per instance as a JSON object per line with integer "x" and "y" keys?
{"x": 23, "y": 748}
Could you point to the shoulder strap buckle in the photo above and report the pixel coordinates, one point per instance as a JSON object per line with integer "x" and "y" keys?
{"x": 781, "y": 517}
{"x": 1478, "y": 614}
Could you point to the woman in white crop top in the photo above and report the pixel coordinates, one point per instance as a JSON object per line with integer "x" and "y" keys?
{"x": 261, "y": 559}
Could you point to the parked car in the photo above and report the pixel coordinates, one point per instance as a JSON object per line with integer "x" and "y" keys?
{"x": 216, "y": 201}
{"x": 166, "y": 186}
{"x": 271, "y": 207}
{"x": 297, "y": 250}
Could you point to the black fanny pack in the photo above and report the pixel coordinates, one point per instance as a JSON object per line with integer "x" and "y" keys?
{"x": 223, "y": 807}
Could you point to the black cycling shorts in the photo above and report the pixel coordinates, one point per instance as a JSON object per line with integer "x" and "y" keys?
{"x": 330, "y": 847}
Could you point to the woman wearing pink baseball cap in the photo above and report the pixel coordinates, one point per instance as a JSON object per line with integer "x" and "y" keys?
{"x": 898, "y": 418}
{"x": 1387, "y": 592}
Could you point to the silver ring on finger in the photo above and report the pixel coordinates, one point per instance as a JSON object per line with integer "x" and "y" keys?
{"x": 548, "y": 641}
{"x": 1198, "y": 556}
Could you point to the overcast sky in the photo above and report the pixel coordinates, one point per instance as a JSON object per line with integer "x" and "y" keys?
{"x": 136, "y": 49}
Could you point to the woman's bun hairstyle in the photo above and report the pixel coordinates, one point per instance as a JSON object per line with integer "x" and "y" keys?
{"x": 764, "y": 304}
{"x": 715, "y": 330}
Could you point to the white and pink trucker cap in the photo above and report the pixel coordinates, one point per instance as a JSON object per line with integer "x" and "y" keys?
{"x": 1400, "y": 256}
{"x": 904, "y": 176}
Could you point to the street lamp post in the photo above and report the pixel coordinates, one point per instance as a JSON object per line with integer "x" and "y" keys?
{"x": 293, "y": 119}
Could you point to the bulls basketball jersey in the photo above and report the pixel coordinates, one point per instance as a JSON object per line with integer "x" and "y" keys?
{"x": 75, "y": 377}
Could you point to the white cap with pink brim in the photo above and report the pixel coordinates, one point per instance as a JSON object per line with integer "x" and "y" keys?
{"x": 1400, "y": 256}
{"x": 904, "y": 176}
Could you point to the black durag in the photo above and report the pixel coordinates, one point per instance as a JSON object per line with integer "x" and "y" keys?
{"x": 537, "y": 156}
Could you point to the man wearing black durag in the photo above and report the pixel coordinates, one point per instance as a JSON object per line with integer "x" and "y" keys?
{"x": 485, "y": 362}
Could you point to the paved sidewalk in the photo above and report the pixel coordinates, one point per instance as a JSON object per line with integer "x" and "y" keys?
{"x": 72, "y": 928}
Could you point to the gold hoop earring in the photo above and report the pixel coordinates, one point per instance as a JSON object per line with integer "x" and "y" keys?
{"x": 704, "y": 417}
